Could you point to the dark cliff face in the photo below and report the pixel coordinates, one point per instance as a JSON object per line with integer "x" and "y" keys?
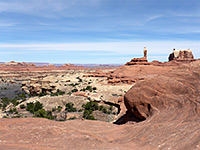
{"x": 171, "y": 57}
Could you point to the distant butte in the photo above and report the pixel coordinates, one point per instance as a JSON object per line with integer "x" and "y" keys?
{"x": 16, "y": 66}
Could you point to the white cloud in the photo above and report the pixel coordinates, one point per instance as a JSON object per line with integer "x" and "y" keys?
{"x": 136, "y": 48}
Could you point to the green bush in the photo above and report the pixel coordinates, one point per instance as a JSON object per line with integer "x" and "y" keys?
{"x": 58, "y": 92}
{"x": 74, "y": 90}
{"x": 32, "y": 107}
{"x": 22, "y": 96}
{"x": 59, "y": 108}
{"x": 43, "y": 114}
{"x": 13, "y": 111}
{"x": 91, "y": 106}
{"x": 42, "y": 94}
{"x": 6, "y": 101}
{"x": 22, "y": 106}
{"x": 87, "y": 114}
{"x": 17, "y": 116}
{"x": 74, "y": 84}
{"x": 89, "y": 88}
{"x": 69, "y": 107}
{"x": 69, "y": 93}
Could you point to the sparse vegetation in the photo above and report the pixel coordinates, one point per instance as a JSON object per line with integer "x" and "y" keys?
{"x": 74, "y": 90}
{"x": 38, "y": 111}
{"x": 79, "y": 79}
{"x": 69, "y": 107}
{"x": 33, "y": 107}
{"x": 74, "y": 84}
{"x": 89, "y": 88}
{"x": 117, "y": 95}
{"x": 21, "y": 96}
{"x": 13, "y": 111}
{"x": 92, "y": 106}
{"x": 59, "y": 108}
{"x": 58, "y": 92}
{"x": 88, "y": 109}
{"x": 6, "y": 101}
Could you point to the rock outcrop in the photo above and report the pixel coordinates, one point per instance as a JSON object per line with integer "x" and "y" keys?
{"x": 181, "y": 55}
{"x": 177, "y": 91}
{"x": 139, "y": 61}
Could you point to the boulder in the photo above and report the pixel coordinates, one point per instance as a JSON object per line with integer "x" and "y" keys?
{"x": 177, "y": 91}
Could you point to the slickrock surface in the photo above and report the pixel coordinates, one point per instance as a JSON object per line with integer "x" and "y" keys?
{"x": 133, "y": 73}
{"x": 39, "y": 134}
{"x": 169, "y": 104}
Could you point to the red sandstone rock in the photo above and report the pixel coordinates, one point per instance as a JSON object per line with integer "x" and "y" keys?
{"x": 80, "y": 94}
{"x": 177, "y": 89}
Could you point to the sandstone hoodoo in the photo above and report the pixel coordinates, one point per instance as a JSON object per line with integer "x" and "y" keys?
{"x": 181, "y": 55}
{"x": 139, "y": 61}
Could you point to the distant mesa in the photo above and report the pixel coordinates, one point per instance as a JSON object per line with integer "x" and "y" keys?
{"x": 17, "y": 66}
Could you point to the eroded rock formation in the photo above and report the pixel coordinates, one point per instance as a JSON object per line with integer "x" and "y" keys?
{"x": 176, "y": 91}
{"x": 181, "y": 55}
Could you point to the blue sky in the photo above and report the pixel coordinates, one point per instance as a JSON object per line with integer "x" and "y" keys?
{"x": 96, "y": 31}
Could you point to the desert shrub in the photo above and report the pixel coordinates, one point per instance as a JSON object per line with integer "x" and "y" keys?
{"x": 22, "y": 106}
{"x": 69, "y": 93}
{"x": 38, "y": 106}
{"x": 43, "y": 114}
{"x": 89, "y": 88}
{"x": 38, "y": 111}
{"x": 13, "y": 111}
{"x": 58, "y": 109}
{"x": 32, "y": 107}
{"x": 79, "y": 79}
{"x": 74, "y": 84}
{"x": 22, "y": 96}
{"x": 117, "y": 95}
{"x": 69, "y": 107}
{"x": 91, "y": 106}
{"x": 101, "y": 108}
{"x": 42, "y": 94}
{"x": 104, "y": 110}
{"x": 58, "y": 92}
{"x": 74, "y": 90}
{"x": 87, "y": 114}
{"x": 6, "y": 101}
{"x": 17, "y": 116}
{"x": 94, "y": 88}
